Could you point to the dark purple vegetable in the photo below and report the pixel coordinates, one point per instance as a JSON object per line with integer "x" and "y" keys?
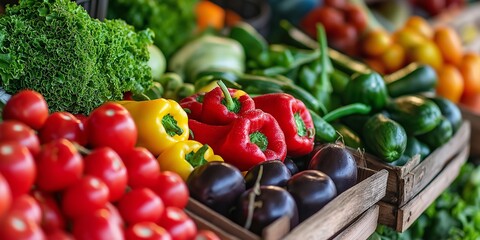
{"x": 338, "y": 163}
{"x": 312, "y": 190}
{"x": 263, "y": 207}
{"x": 275, "y": 173}
{"x": 217, "y": 185}
{"x": 291, "y": 165}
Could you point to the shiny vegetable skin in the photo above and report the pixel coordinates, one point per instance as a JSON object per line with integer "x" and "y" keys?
{"x": 324, "y": 132}
{"x": 439, "y": 135}
{"x": 369, "y": 89}
{"x": 348, "y": 136}
{"x": 217, "y": 185}
{"x": 414, "y": 146}
{"x": 416, "y": 114}
{"x": 384, "y": 137}
{"x": 449, "y": 110}
{"x": 338, "y": 163}
{"x": 414, "y": 78}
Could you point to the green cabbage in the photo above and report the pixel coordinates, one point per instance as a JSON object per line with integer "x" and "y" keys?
{"x": 76, "y": 62}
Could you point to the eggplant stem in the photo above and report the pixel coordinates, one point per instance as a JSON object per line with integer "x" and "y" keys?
{"x": 251, "y": 199}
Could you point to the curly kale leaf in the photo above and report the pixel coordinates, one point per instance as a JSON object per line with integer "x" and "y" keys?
{"x": 76, "y": 62}
{"x": 172, "y": 21}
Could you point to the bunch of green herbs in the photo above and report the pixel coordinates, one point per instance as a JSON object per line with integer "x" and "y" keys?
{"x": 76, "y": 62}
{"x": 172, "y": 21}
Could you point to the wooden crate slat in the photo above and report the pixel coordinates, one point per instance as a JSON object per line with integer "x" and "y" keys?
{"x": 345, "y": 208}
{"x": 475, "y": 127}
{"x": 406, "y": 181}
{"x": 363, "y": 227}
{"x": 203, "y": 224}
{"x": 402, "y": 218}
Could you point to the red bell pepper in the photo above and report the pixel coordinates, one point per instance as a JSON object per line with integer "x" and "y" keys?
{"x": 252, "y": 138}
{"x": 194, "y": 104}
{"x": 294, "y": 119}
{"x": 222, "y": 105}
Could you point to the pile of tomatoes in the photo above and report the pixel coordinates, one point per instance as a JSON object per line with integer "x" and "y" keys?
{"x": 64, "y": 176}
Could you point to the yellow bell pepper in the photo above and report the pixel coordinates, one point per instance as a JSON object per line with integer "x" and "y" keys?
{"x": 160, "y": 123}
{"x": 185, "y": 156}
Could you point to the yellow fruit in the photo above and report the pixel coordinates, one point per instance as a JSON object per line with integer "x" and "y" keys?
{"x": 420, "y": 25}
{"x": 394, "y": 58}
{"x": 426, "y": 52}
{"x": 376, "y": 42}
{"x": 408, "y": 38}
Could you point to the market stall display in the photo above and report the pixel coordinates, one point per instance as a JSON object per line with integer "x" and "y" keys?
{"x": 229, "y": 121}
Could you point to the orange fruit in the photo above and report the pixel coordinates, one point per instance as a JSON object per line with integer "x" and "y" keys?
{"x": 470, "y": 70}
{"x": 419, "y": 25}
{"x": 408, "y": 38}
{"x": 450, "y": 83}
{"x": 450, "y": 44}
{"x": 376, "y": 42}
{"x": 394, "y": 58}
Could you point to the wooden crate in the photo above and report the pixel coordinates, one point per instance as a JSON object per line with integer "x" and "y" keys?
{"x": 474, "y": 120}
{"x": 407, "y": 181}
{"x": 351, "y": 215}
{"x": 402, "y": 217}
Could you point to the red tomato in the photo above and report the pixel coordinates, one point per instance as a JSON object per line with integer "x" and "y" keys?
{"x": 356, "y": 17}
{"x": 146, "y": 231}
{"x": 114, "y": 214}
{"x": 13, "y": 130}
{"x": 330, "y": 18}
{"x": 5, "y": 196}
{"x": 59, "y": 234}
{"x": 140, "y": 205}
{"x": 15, "y": 226}
{"x": 171, "y": 189}
{"x": 142, "y": 168}
{"x": 434, "y": 7}
{"x": 17, "y": 166}
{"x": 178, "y": 224}
{"x": 345, "y": 38}
{"x": 59, "y": 165}
{"x": 206, "y": 235}
{"x": 52, "y": 218}
{"x": 63, "y": 125}
{"x": 336, "y": 3}
{"x": 105, "y": 164}
{"x": 27, "y": 106}
{"x": 28, "y": 207}
{"x": 111, "y": 125}
{"x": 96, "y": 226}
{"x": 84, "y": 197}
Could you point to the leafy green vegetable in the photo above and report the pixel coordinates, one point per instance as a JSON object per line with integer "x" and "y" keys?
{"x": 172, "y": 21}
{"x": 76, "y": 62}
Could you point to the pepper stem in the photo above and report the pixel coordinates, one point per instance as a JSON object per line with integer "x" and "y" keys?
{"x": 171, "y": 126}
{"x": 233, "y": 105}
{"x": 260, "y": 140}
{"x": 197, "y": 158}
{"x": 301, "y": 128}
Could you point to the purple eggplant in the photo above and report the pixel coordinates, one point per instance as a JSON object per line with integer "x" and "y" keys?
{"x": 275, "y": 173}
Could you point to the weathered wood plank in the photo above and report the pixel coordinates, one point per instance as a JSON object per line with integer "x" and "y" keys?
{"x": 475, "y": 128}
{"x": 406, "y": 181}
{"x": 436, "y": 161}
{"x": 363, "y": 227}
{"x": 415, "y": 207}
{"x": 401, "y": 218}
{"x": 343, "y": 209}
{"x": 204, "y": 224}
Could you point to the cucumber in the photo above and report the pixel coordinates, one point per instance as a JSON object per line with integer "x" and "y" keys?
{"x": 384, "y": 137}
{"x": 450, "y": 111}
{"x": 414, "y": 146}
{"x": 350, "y": 138}
{"x": 401, "y": 161}
{"x": 439, "y": 135}
{"x": 416, "y": 114}
{"x": 412, "y": 79}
